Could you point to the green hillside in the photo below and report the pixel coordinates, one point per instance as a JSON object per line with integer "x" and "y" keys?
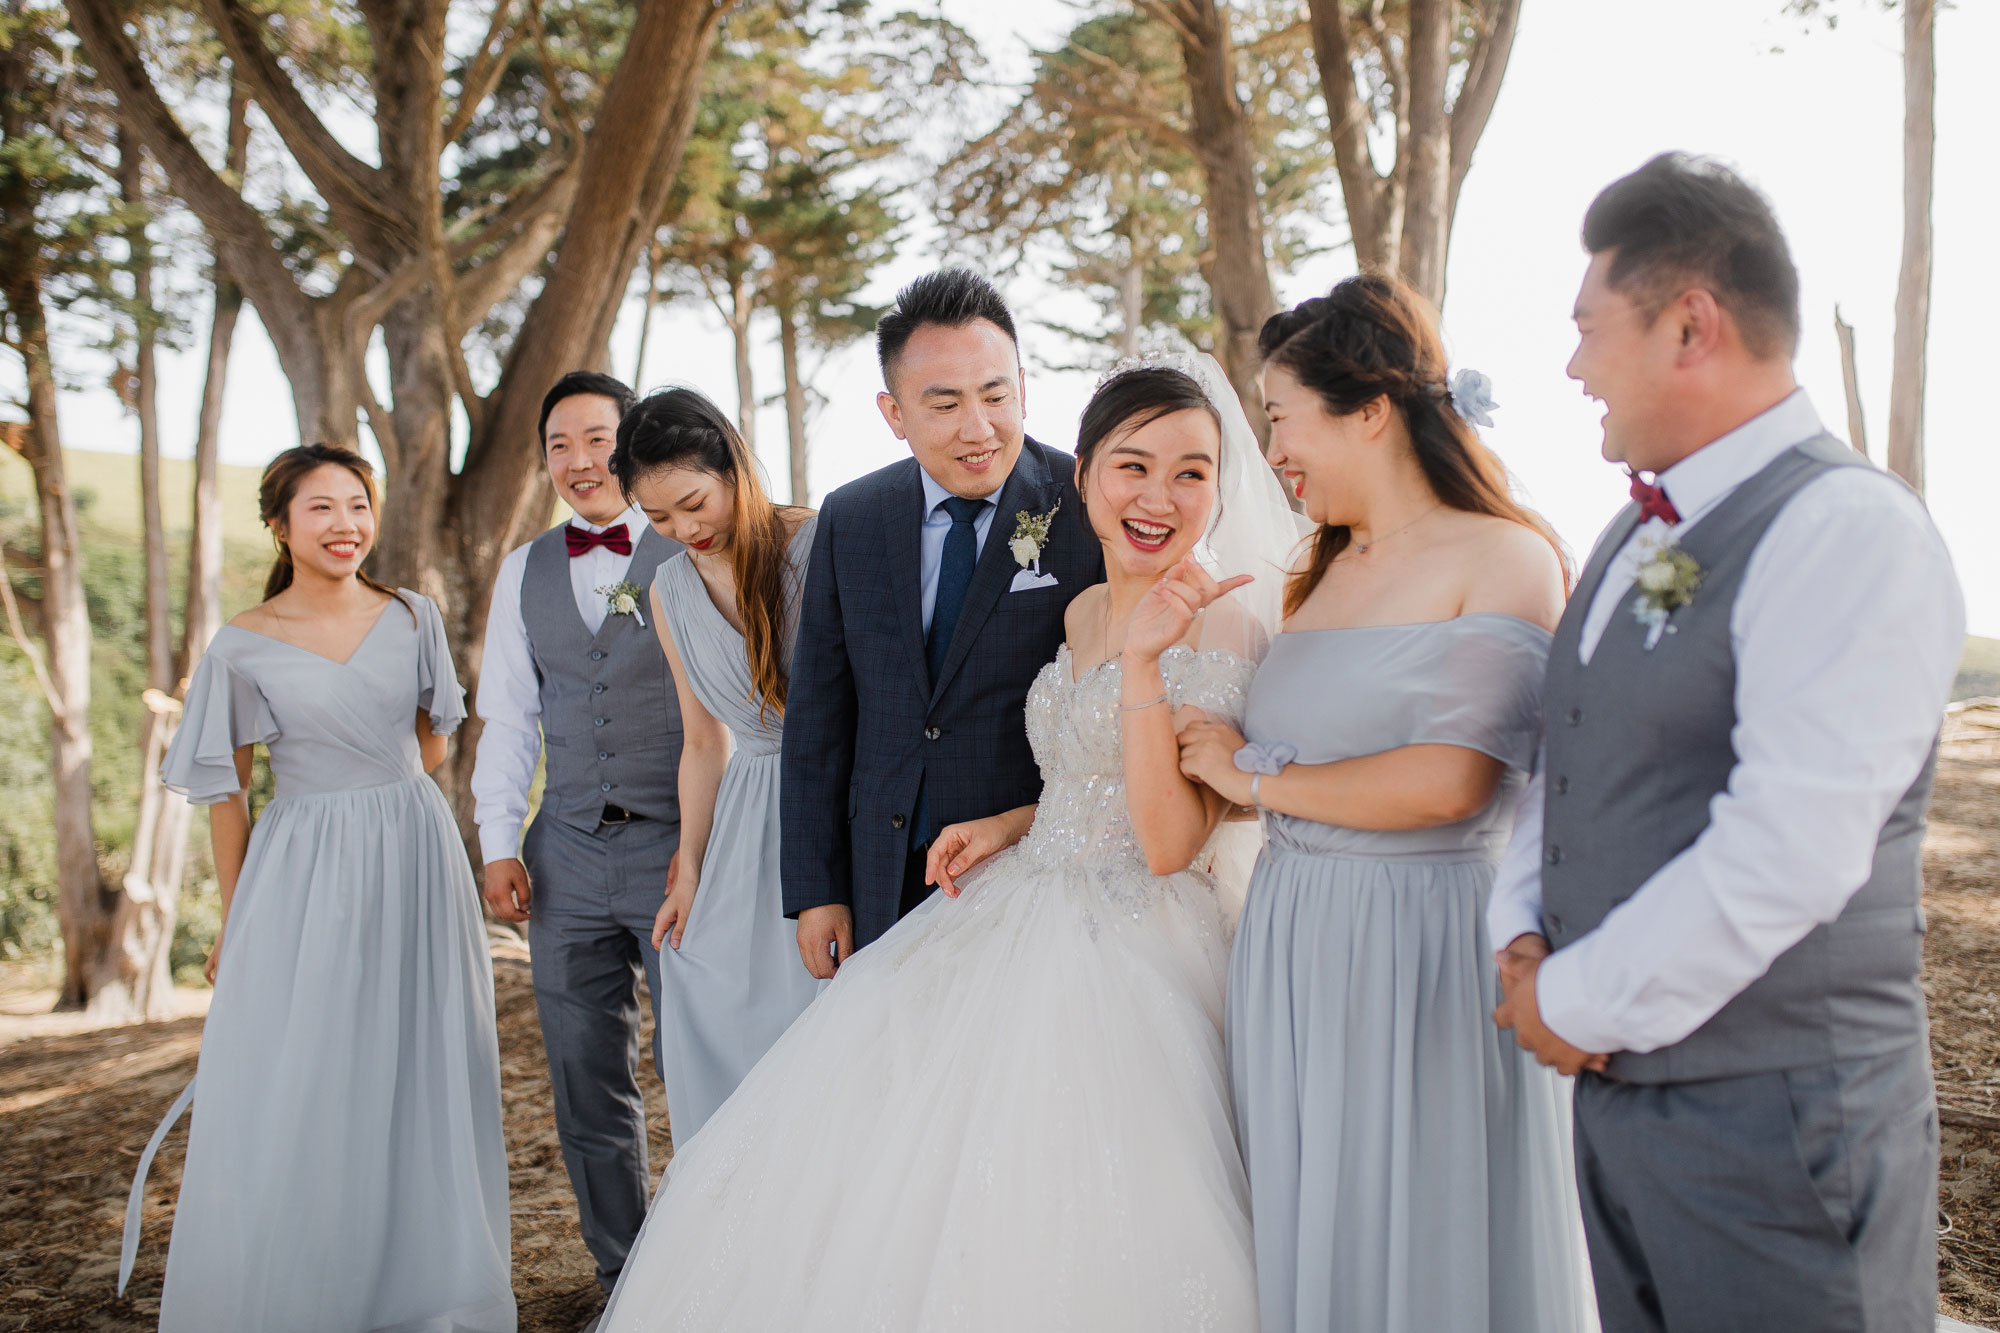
{"x": 106, "y": 487}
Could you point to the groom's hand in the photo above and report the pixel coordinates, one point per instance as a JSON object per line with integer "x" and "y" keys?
{"x": 826, "y": 938}
{"x": 1520, "y": 963}
{"x": 506, "y": 889}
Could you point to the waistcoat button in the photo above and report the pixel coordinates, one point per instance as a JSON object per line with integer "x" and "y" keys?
{"x": 1575, "y": 716}
{"x": 604, "y": 786}
{"x": 1556, "y": 924}
{"x": 1562, "y": 786}
{"x": 597, "y": 722}
{"x": 597, "y": 654}
{"x": 896, "y": 821}
{"x": 604, "y": 754}
{"x": 598, "y": 688}
{"x": 1555, "y": 856}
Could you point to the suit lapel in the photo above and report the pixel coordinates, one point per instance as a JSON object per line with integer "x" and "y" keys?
{"x": 903, "y": 543}
{"x": 1026, "y": 489}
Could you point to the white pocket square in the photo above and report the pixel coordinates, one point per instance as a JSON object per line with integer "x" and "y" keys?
{"x": 1028, "y": 578}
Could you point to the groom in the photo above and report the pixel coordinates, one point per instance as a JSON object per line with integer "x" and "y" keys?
{"x": 922, "y": 626}
{"x": 1710, "y": 906}
{"x": 564, "y": 673}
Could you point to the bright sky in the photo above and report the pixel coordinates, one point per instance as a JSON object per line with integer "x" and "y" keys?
{"x": 1814, "y": 117}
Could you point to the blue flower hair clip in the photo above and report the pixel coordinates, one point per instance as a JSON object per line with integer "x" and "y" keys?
{"x": 1472, "y": 397}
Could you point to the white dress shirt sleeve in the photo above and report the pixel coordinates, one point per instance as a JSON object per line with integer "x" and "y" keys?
{"x": 1848, "y": 628}
{"x": 510, "y": 705}
{"x": 1515, "y": 906}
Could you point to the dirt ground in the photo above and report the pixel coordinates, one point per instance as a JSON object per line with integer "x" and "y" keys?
{"x": 77, "y": 1105}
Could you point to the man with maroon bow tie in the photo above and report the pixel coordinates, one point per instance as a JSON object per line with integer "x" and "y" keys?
{"x": 571, "y": 668}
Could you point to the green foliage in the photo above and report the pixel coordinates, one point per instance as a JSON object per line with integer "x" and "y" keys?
{"x": 1092, "y": 171}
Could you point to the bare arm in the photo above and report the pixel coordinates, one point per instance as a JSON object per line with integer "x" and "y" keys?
{"x": 1412, "y": 787}
{"x": 704, "y": 755}
{"x": 430, "y": 745}
{"x": 229, "y": 836}
{"x": 1172, "y": 815}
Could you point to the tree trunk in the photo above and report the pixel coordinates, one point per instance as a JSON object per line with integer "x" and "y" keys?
{"x": 204, "y": 586}
{"x": 1427, "y": 152}
{"x": 648, "y": 300}
{"x": 1374, "y": 202}
{"x": 1241, "y": 291}
{"x": 742, "y": 304}
{"x": 1850, "y": 378}
{"x": 1131, "y": 302}
{"x": 795, "y": 400}
{"x": 1913, "y": 284}
{"x": 132, "y": 979}
{"x": 84, "y": 906}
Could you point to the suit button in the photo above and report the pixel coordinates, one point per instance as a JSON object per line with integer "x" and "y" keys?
{"x": 1562, "y": 786}
{"x": 1575, "y": 717}
{"x": 604, "y": 786}
{"x": 597, "y": 688}
{"x": 597, "y": 722}
{"x": 932, "y": 733}
{"x": 1554, "y": 856}
{"x": 597, "y": 654}
{"x": 896, "y": 821}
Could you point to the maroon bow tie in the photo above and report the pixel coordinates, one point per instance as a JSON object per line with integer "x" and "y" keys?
{"x": 1653, "y": 501}
{"x": 613, "y": 539}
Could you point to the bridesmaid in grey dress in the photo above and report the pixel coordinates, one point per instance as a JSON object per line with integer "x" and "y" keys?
{"x": 1409, "y": 1166}
{"x": 346, "y": 1169}
{"x": 726, "y": 611}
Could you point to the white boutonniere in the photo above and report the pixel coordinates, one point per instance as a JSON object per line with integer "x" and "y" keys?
{"x": 622, "y": 599}
{"x": 1031, "y": 534}
{"x": 1668, "y": 579}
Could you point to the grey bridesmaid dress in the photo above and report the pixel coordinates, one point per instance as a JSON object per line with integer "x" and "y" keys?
{"x": 346, "y": 1169}
{"x": 1409, "y": 1165}
{"x": 736, "y": 983}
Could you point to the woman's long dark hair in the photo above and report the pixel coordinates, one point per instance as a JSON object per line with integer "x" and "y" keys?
{"x": 1373, "y": 336}
{"x": 281, "y": 482}
{"x": 681, "y": 428}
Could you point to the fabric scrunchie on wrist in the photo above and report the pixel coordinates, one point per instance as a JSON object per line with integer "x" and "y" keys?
{"x": 1265, "y": 760}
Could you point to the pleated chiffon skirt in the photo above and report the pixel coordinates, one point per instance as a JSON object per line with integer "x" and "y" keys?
{"x": 1409, "y": 1165}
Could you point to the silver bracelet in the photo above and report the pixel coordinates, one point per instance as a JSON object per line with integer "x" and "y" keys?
{"x": 1133, "y": 708}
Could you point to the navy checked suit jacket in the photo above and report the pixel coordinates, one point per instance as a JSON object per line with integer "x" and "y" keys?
{"x": 864, "y": 722}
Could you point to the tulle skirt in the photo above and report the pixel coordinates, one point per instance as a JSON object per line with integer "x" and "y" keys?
{"x": 1009, "y": 1113}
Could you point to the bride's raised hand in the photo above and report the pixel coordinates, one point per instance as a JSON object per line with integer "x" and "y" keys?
{"x": 1168, "y": 609}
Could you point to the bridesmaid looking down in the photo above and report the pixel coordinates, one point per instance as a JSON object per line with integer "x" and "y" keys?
{"x": 726, "y": 612}
{"x": 346, "y": 1168}
{"x": 1408, "y": 1171}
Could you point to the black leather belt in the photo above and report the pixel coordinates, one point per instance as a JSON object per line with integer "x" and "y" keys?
{"x": 618, "y": 814}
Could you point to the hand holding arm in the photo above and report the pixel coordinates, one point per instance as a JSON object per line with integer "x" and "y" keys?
{"x": 1519, "y": 963}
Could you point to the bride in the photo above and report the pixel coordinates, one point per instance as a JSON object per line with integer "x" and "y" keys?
{"x": 1012, "y": 1111}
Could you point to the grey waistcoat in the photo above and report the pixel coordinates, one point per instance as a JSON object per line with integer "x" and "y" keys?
{"x": 610, "y": 719}
{"x": 1639, "y": 745}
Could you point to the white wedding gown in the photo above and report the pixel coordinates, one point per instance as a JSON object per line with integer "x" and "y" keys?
{"x": 1009, "y": 1113}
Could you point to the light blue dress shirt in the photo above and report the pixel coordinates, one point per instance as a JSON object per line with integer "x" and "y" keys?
{"x": 936, "y": 524}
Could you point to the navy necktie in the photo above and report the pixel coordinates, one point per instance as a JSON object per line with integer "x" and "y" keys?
{"x": 961, "y": 549}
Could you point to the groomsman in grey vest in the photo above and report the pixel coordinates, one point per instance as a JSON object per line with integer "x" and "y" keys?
{"x": 1710, "y": 909}
{"x": 573, "y": 671}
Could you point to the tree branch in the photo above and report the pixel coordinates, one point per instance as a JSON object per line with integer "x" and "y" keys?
{"x": 1474, "y": 106}
{"x": 1361, "y": 186}
{"x": 482, "y": 76}
{"x": 27, "y": 645}
{"x": 353, "y": 190}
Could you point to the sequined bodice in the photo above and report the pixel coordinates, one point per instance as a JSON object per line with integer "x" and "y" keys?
{"x": 1074, "y": 728}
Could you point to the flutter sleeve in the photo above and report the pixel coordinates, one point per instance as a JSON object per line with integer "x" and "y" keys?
{"x": 1483, "y": 690}
{"x": 438, "y": 690}
{"x": 224, "y": 709}
{"x": 1217, "y": 681}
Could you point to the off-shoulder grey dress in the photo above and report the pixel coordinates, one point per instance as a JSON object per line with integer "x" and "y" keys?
{"x": 345, "y": 1169}
{"x": 1409, "y": 1165}
{"x": 736, "y": 983}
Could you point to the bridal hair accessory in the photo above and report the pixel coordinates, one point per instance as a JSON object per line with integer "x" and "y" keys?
{"x": 1187, "y": 363}
{"x": 1667, "y": 581}
{"x": 622, "y": 599}
{"x": 1031, "y": 534}
{"x": 1472, "y": 396}
{"x": 1265, "y": 760}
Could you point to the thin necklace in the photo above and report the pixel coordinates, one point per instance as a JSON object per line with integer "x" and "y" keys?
{"x": 1362, "y": 548}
